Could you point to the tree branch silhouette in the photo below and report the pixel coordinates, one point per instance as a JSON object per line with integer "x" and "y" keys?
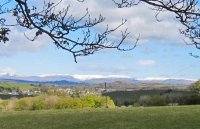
{"x": 186, "y": 12}
{"x": 67, "y": 32}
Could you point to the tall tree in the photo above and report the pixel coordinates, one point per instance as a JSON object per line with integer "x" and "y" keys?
{"x": 196, "y": 86}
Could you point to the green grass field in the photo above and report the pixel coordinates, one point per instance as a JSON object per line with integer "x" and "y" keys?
{"x": 185, "y": 117}
{"x": 15, "y": 85}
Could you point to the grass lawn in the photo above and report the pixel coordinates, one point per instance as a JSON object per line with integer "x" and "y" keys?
{"x": 185, "y": 117}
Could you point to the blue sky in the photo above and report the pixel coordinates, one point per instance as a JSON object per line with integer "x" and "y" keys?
{"x": 160, "y": 53}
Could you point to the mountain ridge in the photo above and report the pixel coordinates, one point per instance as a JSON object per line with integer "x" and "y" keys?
{"x": 74, "y": 80}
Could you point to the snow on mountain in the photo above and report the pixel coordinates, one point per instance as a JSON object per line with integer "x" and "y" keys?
{"x": 92, "y": 79}
{"x": 164, "y": 78}
{"x": 185, "y": 81}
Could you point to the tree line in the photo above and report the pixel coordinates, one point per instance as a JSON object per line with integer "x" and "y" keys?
{"x": 58, "y": 100}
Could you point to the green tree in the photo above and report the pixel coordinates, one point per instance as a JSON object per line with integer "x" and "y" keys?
{"x": 195, "y": 86}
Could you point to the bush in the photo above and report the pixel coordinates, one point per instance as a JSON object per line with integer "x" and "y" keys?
{"x": 76, "y": 104}
{"x": 24, "y": 104}
{"x": 94, "y": 101}
{"x": 39, "y": 104}
{"x": 69, "y": 103}
{"x": 1, "y": 105}
{"x": 51, "y": 101}
{"x": 136, "y": 105}
{"x": 145, "y": 100}
{"x": 152, "y": 100}
{"x": 11, "y": 105}
{"x": 4, "y": 104}
{"x": 157, "y": 101}
{"x": 62, "y": 103}
{"x": 55, "y": 102}
{"x": 7, "y": 105}
{"x": 89, "y": 101}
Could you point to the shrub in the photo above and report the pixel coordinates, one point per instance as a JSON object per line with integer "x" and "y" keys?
{"x": 64, "y": 103}
{"x": 7, "y": 105}
{"x": 51, "y": 101}
{"x": 39, "y": 104}
{"x": 11, "y": 105}
{"x": 157, "y": 101}
{"x": 4, "y": 104}
{"x": 24, "y": 104}
{"x": 94, "y": 101}
{"x": 76, "y": 103}
{"x": 89, "y": 101}
{"x": 152, "y": 100}
{"x": 1, "y": 107}
{"x": 145, "y": 100}
{"x": 55, "y": 102}
{"x": 136, "y": 105}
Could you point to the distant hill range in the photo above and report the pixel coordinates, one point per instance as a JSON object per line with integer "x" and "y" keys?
{"x": 67, "y": 80}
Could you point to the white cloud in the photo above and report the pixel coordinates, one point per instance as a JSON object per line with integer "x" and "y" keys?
{"x": 147, "y": 62}
{"x": 141, "y": 20}
{"x": 19, "y": 43}
{"x": 7, "y": 71}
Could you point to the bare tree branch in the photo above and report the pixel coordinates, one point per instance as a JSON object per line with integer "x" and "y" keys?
{"x": 74, "y": 35}
{"x": 187, "y": 13}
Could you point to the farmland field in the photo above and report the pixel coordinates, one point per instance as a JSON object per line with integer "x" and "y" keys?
{"x": 16, "y": 85}
{"x": 180, "y": 117}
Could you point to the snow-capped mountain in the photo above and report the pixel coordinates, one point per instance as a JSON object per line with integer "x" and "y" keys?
{"x": 172, "y": 81}
{"x": 89, "y": 79}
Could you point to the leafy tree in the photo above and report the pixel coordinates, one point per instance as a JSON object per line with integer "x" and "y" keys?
{"x": 196, "y": 86}
{"x": 94, "y": 101}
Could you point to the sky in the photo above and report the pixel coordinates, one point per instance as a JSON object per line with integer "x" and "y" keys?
{"x": 161, "y": 51}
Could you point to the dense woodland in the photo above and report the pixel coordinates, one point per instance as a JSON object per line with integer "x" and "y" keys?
{"x": 154, "y": 97}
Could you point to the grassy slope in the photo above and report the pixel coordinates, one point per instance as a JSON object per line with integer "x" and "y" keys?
{"x": 12, "y": 85}
{"x": 187, "y": 117}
